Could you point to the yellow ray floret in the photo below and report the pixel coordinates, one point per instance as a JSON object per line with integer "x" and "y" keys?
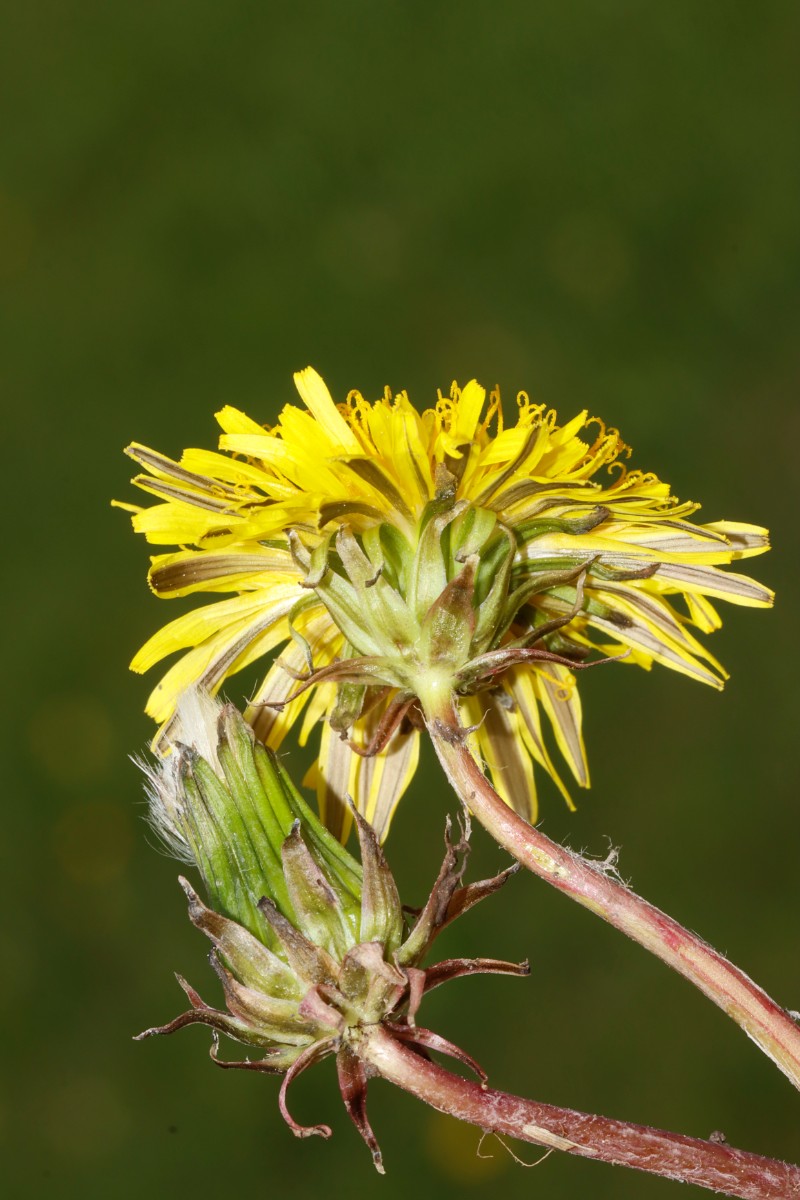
{"x": 318, "y": 533}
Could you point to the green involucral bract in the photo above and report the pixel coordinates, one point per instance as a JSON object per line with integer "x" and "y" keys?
{"x": 309, "y": 944}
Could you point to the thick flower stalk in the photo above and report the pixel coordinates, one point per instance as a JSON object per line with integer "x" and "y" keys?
{"x": 389, "y": 552}
{"x": 316, "y": 961}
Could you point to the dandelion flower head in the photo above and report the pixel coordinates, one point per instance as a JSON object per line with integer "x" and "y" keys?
{"x": 388, "y": 553}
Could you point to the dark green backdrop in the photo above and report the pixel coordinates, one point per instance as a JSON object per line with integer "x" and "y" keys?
{"x": 597, "y": 201}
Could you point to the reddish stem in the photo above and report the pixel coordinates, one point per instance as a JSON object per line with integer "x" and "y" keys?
{"x": 711, "y": 1165}
{"x": 769, "y": 1026}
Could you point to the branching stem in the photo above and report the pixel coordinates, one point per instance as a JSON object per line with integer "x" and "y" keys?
{"x": 769, "y": 1026}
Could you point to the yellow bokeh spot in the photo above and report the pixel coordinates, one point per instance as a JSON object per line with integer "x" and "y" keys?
{"x": 589, "y": 257}
{"x": 455, "y": 1150}
{"x": 93, "y": 843}
{"x": 72, "y": 737}
{"x": 83, "y": 1118}
{"x": 16, "y": 237}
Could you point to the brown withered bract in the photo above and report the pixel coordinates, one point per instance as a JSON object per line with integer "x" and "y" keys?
{"x": 310, "y": 947}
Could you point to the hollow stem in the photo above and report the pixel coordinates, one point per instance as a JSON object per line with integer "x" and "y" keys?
{"x": 769, "y": 1026}
{"x": 717, "y": 1167}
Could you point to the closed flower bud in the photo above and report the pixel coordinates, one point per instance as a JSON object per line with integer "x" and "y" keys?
{"x": 310, "y": 946}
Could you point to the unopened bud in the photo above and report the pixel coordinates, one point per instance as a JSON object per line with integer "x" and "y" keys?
{"x": 309, "y": 945}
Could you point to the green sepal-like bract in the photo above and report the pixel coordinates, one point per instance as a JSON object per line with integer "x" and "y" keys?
{"x": 309, "y": 945}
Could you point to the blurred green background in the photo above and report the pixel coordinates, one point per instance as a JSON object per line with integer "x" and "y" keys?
{"x": 594, "y": 201}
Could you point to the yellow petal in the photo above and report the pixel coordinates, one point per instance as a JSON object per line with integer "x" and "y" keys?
{"x": 232, "y": 420}
{"x": 519, "y": 683}
{"x": 336, "y": 776}
{"x": 318, "y": 400}
{"x": 557, "y": 691}
{"x": 200, "y": 624}
{"x": 382, "y": 779}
